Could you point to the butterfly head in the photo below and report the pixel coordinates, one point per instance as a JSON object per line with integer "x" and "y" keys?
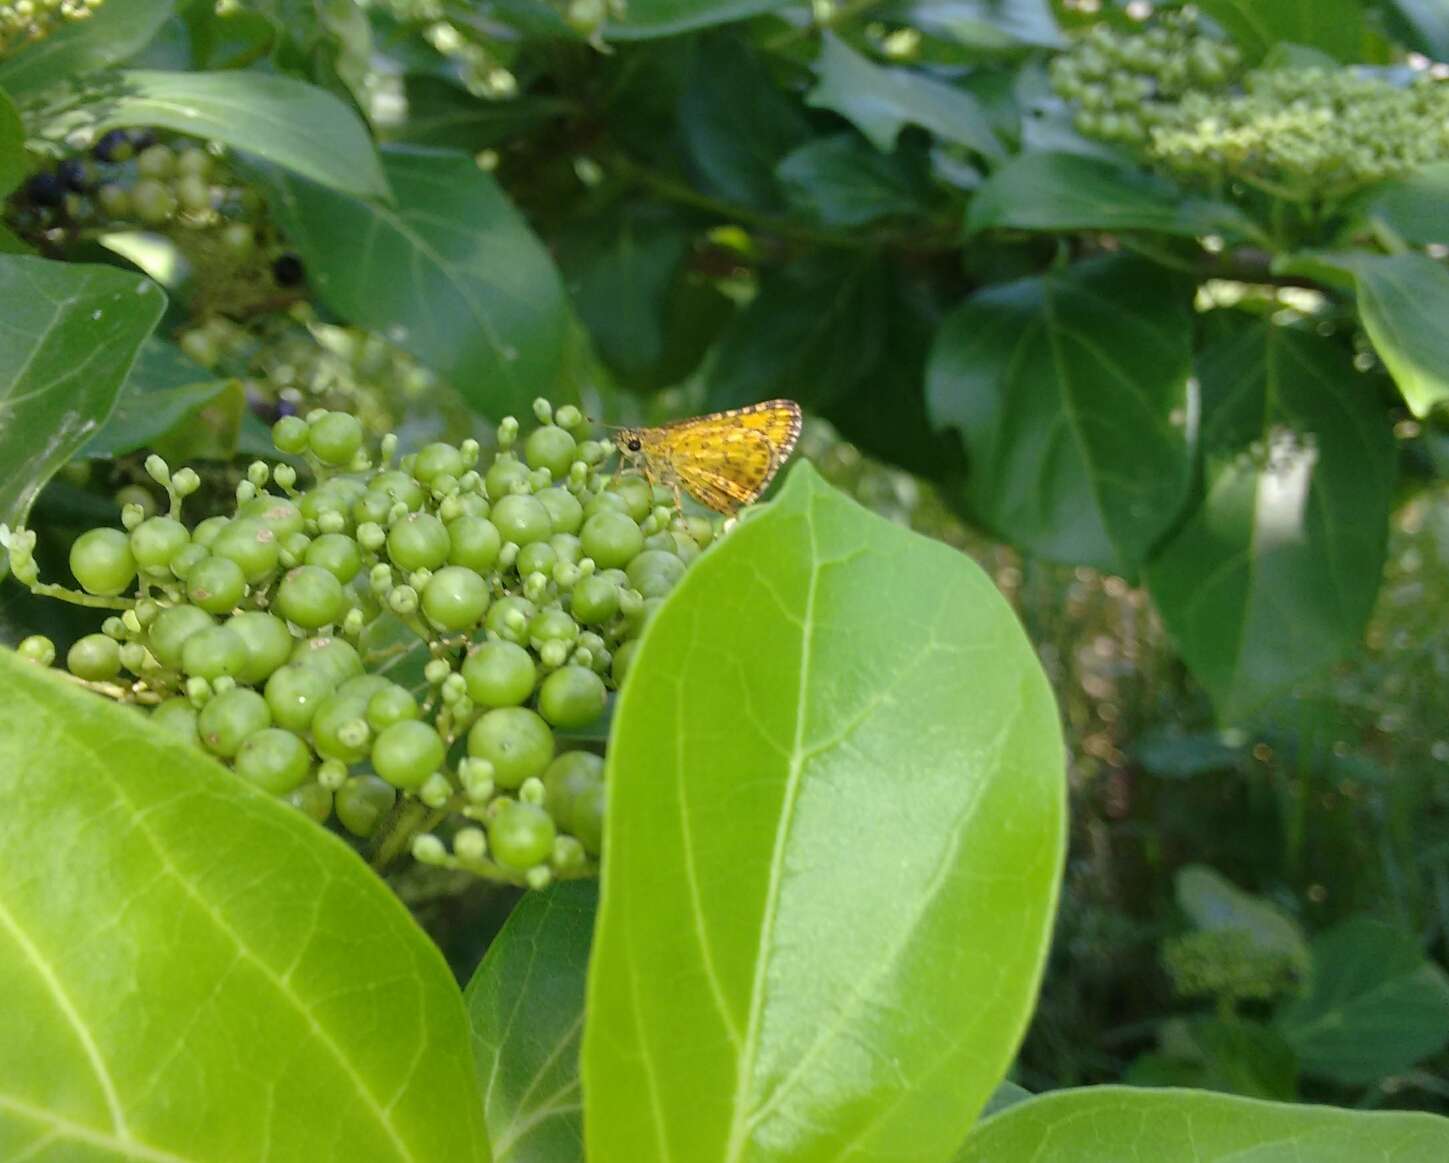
{"x": 628, "y": 441}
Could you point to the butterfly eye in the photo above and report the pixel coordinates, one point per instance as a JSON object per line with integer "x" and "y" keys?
{"x": 634, "y": 445}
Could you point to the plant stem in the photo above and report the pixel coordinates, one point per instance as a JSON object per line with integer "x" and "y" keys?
{"x": 78, "y": 598}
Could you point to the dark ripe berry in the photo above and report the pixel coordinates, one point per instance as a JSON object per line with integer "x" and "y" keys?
{"x": 288, "y": 271}
{"x": 114, "y": 146}
{"x": 142, "y": 138}
{"x": 45, "y": 190}
{"x": 75, "y": 174}
{"x": 286, "y": 407}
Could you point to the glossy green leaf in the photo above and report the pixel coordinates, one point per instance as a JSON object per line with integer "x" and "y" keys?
{"x": 526, "y": 1006}
{"x": 1427, "y": 25}
{"x": 881, "y": 102}
{"x": 1415, "y": 207}
{"x": 1070, "y": 392}
{"x": 1274, "y": 575}
{"x": 115, "y": 30}
{"x": 1067, "y": 191}
{"x": 68, "y": 337}
{"x": 163, "y": 389}
{"x": 444, "y": 115}
{"x": 190, "y": 966}
{"x": 452, "y": 274}
{"x": 1214, "y": 904}
{"x": 1375, "y": 1006}
{"x": 840, "y": 181}
{"x": 647, "y": 19}
{"x": 736, "y": 123}
{"x": 1116, "y": 1124}
{"x": 984, "y": 25}
{"x": 12, "y": 146}
{"x": 1403, "y": 300}
{"x": 803, "y": 822}
{"x": 297, "y": 126}
{"x": 1334, "y": 26}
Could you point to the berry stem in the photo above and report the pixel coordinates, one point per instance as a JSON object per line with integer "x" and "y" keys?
{"x": 80, "y": 598}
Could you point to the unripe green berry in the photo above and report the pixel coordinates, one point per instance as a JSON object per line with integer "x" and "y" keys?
{"x": 95, "y": 658}
{"x": 102, "y": 562}
{"x": 499, "y": 674}
{"x": 155, "y": 542}
{"x": 289, "y": 434}
{"x": 295, "y": 692}
{"x": 363, "y": 802}
{"x": 455, "y": 598}
{"x": 406, "y": 753}
{"x": 269, "y": 644}
{"x": 230, "y": 718}
{"x": 522, "y": 519}
{"x": 177, "y": 717}
{"x": 520, "y": 835}
{"x": 38, "y": 649}
{"x": 212, "y": 653}
{"x": 274, "y": 760}
{"x": 515, "y": 740}
{"x": 572, "y": 698}
{"x": 216, "y": 585}
{"x": 611, "y": 539}
{"x": 335, "y": 438}
{"x": 310, "y": 597}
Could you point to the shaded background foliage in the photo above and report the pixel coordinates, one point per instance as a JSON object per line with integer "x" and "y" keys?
{"x": 1187, "y": 407}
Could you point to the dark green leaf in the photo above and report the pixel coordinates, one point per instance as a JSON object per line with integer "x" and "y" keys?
{"x": 452, "y": 274}
{"x": 737, "y": 123}
{"x": 1214, "y": 904}
{"x": 1275, "y": 574}
{"x": 1231, "y": 1055}
{"x": 298, "y": 126}
{"x": 881, "y": 102}
{"x": 12, "y": 146}
{"x": 1334, "y": 26}
{"x": 69, "y": 335}
{"x": 1068, "y": 191}
{"x": 195, "y": 970}
{"x": 626, "y": 273}
{"x": 814, "y": 333}
{"x": 752, "y": 968}
{"x": 1071, "y": 395}
{"x": 1403, "y": 300}
{"x": 1415, "y": 207}
{"x": 1116, "y": 1124}
{"x": 1427, "y": 23}
{"x": 526, "y": 1007}
{"x": 114, "y": 31}
{"x": 646, "y": 19}
{"x": 446, "y": 116}
{"x": 839, "y": 181}
{"x": 1375, "y": 1005}
{"x": 163, "y": 389}
{"x": 985, "y": 25}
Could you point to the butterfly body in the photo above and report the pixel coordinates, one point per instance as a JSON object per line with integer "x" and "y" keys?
{"x": 724, "y": 459}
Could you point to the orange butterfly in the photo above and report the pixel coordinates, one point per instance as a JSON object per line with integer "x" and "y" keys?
{"x": 725, "y": 459}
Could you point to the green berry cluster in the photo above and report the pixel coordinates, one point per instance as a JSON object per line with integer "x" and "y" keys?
{"x": 1126, "y": 83}
{"x": 134, "y": 179}
{"x": 293, "y": 361}
{"x": 1227, "y": 966}
{"x": 519, "y": 587}
{"x": 22, "y": 21}
{"x": 1307, "y": 134}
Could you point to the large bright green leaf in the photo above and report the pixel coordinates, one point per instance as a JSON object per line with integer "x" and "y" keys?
{"x": 1065, "y": 191}
{"x": 68, "y": 336}
{"x": 834, "y": 836}
{"x": 1403, "y": 300}
{"x": 1375, "y": 1006}
{"x": 1333, "y": 26}
{"x": 452, "y": 274}
{"x": 646, "y": 19}
{"x": 163, "y": 389}
{"x": 113, "y": 32}
{"x": 1427, "y": 23}
{"x": 1116, "y": 1124}
{"x": 1070, "y": 392}
{"x": 12, "y": 146}
{"x": 193, "y": 970}
{"x": 1275, "y": 574}
{"x": 300, "y": 127}
{"x": 526, "y": 1005}
{"x": 881, "y": 102}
